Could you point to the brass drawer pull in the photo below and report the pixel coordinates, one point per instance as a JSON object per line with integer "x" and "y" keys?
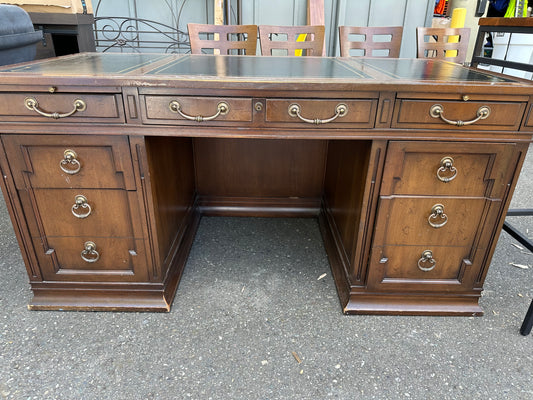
{"x": 437, "y": 111}
{"x": 427, "y": 259}
{"x": 89, "y": 254}
{"x": 446, "y": 164}
{"x": 222, "y": 109}
{"x": 70, "y": 164}
{"x": 437, "y": 214}
{"x": 80, "y": 202}
{"x": 340, "y": 111}
{"x": 32, "y": 104}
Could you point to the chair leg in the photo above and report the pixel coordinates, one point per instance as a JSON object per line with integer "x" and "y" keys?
{"x": 515, "y": 233}
{"x": 523, "y": 240}
{"x": 528, "y": 321}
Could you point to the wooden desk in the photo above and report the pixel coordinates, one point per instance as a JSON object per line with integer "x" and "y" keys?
{"x": 105, "y": 202}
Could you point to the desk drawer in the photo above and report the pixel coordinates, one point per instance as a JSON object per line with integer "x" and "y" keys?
{"x": 61, "y": 161}
{"x": 61, "y": 107}
{"x": 448, "y": 169}
{"x": 357, "y": 113}
{"x": 417, "y": 114}
{"x": 424, "y": 268}
{"x": 84, "y": 212}
{"x": 167, "y": 109}
{"x": 433, "y": 221}
{"x": 91, "y": 259}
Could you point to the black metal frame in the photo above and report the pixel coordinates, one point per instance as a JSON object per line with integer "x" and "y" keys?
{"x": 515, "y": 233}
{"x": 527, "y": 324}
{"x": 525, "y": 329}
{"x": 478, "y": 48}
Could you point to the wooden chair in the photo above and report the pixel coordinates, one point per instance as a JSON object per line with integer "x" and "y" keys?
{"x": 365, "y": 41}
{"x": 434, "y": 43}
{"x": 231, "y": 38}
{"x": 289, "y": 39}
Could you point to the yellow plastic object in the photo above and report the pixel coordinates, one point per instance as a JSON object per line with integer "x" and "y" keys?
{"x": 511, "y": 9}
{"x": 458, "y": 21}
{"x": 300, "y": 38}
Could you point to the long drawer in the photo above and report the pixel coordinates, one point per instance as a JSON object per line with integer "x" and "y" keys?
{"x": 445, "y": 114}
{"x": 359, "y": 113}
{"x": 159, "y": 109}
{"x": 62, "y": 107}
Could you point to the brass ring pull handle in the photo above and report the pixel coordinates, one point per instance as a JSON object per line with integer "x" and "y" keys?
{"x": 32, "y": 104}
{"x": 446, "y": 164}
{"x": 437, "y": 111}
{"x": 340, "y": 111}
{"x": 222, "y": 109}
{"x": 427, "y": 259}
{"x": 80, "y": 202}
{"x": 69, "y": 164}
{"x": 89, "y": 254}
{"x": 437, "y": 214}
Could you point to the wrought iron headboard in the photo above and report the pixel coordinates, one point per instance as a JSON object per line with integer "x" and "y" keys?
{"x": 138, "y": 35}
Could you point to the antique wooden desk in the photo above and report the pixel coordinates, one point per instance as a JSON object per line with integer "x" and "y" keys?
{"x": 110, "y": 160}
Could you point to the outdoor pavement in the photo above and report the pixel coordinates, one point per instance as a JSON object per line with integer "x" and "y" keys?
{"x": 249, "y": 298}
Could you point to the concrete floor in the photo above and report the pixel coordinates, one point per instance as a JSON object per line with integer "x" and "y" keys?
{"x": 248, "y": 299}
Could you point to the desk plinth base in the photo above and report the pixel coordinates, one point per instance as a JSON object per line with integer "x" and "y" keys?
{"x": 99, "y": 300}
{"x": 403, "y": 304}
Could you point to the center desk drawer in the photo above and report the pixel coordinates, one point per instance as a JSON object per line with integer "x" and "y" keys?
{"x": 442, "y": 114}
{"x": 61, "y": 107}
{"x": 180, "y": 109}
{"x": 74, "y": 161}
{"x": 354, "y": 113}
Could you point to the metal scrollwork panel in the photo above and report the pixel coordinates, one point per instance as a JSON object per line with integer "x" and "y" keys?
{"x": 127, "y": 30}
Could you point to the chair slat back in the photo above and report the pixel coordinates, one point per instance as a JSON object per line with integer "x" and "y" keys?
{"x": 231, "y": 38}
{"x": 368, "y": 43}
{"x": 290, "y": 39}
{"x": 435, "y": 43}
